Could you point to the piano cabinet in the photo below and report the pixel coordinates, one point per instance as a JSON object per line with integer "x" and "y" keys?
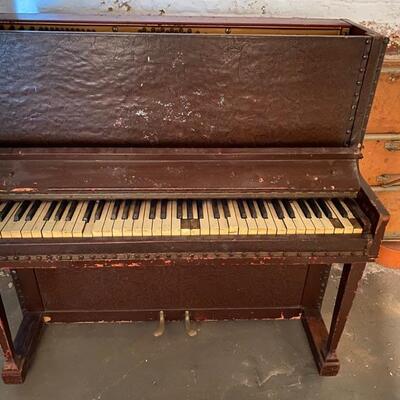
{"x": 262, "y": 108}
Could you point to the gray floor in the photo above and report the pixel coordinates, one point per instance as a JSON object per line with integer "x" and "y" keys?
{"x": 227, "y": 360}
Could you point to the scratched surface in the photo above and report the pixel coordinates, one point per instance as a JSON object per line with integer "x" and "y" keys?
{"x": 175, "y": 90}
{"x": 126, "y": 173}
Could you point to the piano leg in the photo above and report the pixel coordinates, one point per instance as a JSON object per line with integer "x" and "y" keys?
{"x": 18, "y": 353}
{"x": 323, "y": 343}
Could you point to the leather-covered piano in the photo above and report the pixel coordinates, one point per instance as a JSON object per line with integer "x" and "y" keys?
{"x": 184, "y": 168}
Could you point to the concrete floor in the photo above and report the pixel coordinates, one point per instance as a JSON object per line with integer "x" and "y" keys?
{"x": 227, "y": 360}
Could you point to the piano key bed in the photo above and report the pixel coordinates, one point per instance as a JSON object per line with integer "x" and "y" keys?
{"x": 182, "y": 217}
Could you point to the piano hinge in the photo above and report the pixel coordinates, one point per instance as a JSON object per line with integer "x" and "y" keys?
{"x": 358, "y": 86}
{"x": 323, "y": 283}
{"x": 18, "y": 289}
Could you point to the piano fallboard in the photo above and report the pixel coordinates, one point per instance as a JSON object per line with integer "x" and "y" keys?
{"x": 173, "y": 173}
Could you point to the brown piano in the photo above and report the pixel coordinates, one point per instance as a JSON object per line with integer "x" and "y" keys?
{"x": 184, "y": 169}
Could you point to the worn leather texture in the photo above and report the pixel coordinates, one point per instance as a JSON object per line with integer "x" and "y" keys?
{"x": 176, "y": 90}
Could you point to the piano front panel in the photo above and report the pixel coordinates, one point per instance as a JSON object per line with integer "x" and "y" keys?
{"x": 201, "y": 285}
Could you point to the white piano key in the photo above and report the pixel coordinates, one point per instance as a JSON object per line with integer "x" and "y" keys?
{"x": 166, "y": 224}
{"x": 280, "y": 225}
{"x": 68, "y": 227}
{"x": 260, "y": 221}
{"x": 175, "y": 221}
{"x": 222, "y": 221}
{"x": 147, "y": 222}
{"x": 348, "y": 227}
{"x": 251, "y": 222}
{"x": 204, "y": 222}
{"x": 129, "y": 222}
{"x": 26, "y": 231}
{"x": 232, "y": 220}
{"x": 297, "y": 220}
{"x": 308, "y": 225}
{"x": 157, "y": 221}
{"x": 269, "y": 221}
{"x": 213, "y": 222}
{"x": 243, "y": 228}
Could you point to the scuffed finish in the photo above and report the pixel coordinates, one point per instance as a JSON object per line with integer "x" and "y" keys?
{"x": 392, "y": 31}
{"x": 176, "y": 90}
{"x": 200, "y": 172}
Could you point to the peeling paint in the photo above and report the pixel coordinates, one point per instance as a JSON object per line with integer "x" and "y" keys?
{"x": 392, "y": 31}
{"x": 24, "y": 190}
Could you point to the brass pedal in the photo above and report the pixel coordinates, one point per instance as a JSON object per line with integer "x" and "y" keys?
{"x": 161, "y": 326}
{"x": 188, "y": 327}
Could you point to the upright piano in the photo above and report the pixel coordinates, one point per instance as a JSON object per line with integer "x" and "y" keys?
{"x": 188, "y": 169}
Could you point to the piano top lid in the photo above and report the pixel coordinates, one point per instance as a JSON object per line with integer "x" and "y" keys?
{"x": 168, "y": 20}
{"x": 138, "y": 88}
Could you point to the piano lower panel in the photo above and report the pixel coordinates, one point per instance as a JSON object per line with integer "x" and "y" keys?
{"x": 208, "y": 290}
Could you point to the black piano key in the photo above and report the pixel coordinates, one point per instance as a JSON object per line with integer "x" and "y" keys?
{"x": 179, "y": 209}
{"x": 215, "y": 209}
{"x": 164, "y": 204}
{"x": 32, "y": 211}
{"x": 336, "y": 223}
{"x": 60, "y": 210}
{"x": 261, "y": 207}
{"x": 200, "y": 212}
{"x": 314, "y": 207}
{"x": 115, "y": 210}
{"x": 189, "y": 207}
{"x": 360, "y": 220}
{"x": 225, "y": 207}
{"x": 153, "y": 208}
{"x": 278, "y": 208}
{"x": 89, "y": 211}
{"x": 242, "y": 210}
{"x": 340, "y": 208}
{"x": 50, "y": 211}
{"x": 304, "y": 208}
{"x": 136, "y": 210}
{"x": 253, "y": 212}
{"x": 99, "y": 210}
{"x": 325, "y": 209}
{"x": 288, "y": 208}
{"x": 71, "y": 211}
{"x": 7, "y": 208}
{"x": 127, "y": 207}
{"x": 21, "y": 210}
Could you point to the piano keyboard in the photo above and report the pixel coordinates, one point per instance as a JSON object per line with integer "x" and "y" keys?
{"x": 125, "y": 218}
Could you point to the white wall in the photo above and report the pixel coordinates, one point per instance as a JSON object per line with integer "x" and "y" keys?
{"x": 381, "y": 14}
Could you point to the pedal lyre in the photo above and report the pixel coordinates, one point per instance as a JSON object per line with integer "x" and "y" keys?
{"x": 161, "y": 326}
{"x": 188, "y": 327}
